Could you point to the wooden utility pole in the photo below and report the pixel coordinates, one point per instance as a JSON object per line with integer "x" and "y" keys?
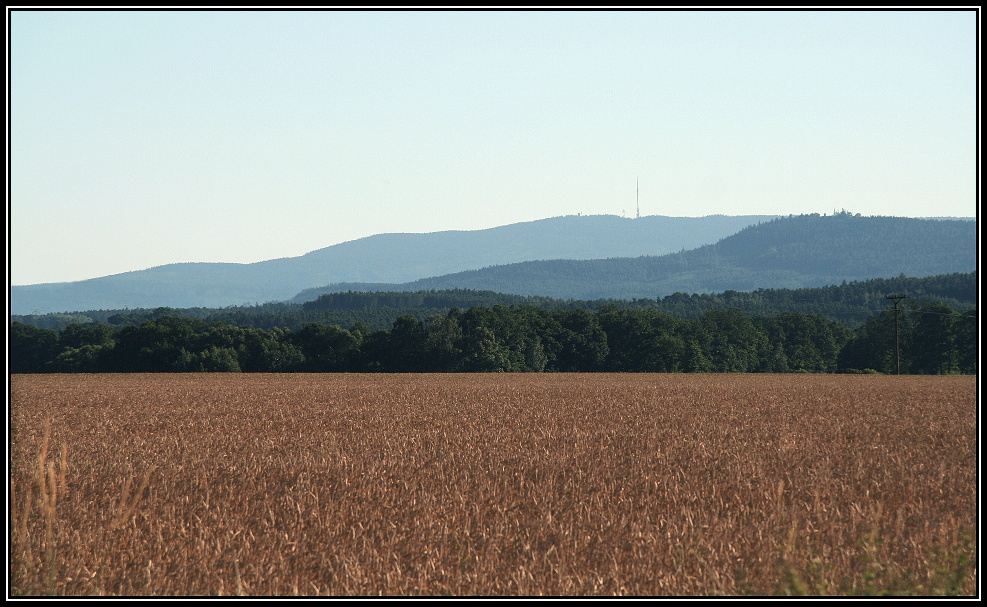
{"x": 897, "y": 351}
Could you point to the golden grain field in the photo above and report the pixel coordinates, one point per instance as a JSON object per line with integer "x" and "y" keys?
{"x": 492, "y": 485}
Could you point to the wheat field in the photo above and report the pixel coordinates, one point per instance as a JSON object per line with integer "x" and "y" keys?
{"x": 492, "y": 485}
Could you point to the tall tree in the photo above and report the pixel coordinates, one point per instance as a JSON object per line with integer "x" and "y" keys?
{"x": 325, "y": 348}
{"x": 933, "y": 340}
{"x": 30, "y": 348}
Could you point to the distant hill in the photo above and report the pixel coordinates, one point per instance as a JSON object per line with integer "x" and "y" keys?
{"x": 789, "y": 252}
{"x": 385, "y": 258}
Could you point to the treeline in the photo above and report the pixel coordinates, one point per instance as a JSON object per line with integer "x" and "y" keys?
{"x": 443, "y": 299}
{"x": 851, "y": 303}
{"x": 931, "y": 338}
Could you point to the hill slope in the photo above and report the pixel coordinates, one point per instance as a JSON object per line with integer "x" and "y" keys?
{"x": 388, "y": 258}
{"x": 790, "y": 252}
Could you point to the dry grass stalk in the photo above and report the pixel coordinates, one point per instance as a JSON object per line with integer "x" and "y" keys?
{"x": 127, "y": 502}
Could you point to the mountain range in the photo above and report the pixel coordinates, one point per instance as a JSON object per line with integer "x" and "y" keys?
{"x": 384, "y": 258}
{"x": 576, "y": 257}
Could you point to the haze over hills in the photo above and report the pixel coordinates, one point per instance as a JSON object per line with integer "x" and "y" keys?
{"x": 384, "y": 258}
{"x": 789, "y": 252}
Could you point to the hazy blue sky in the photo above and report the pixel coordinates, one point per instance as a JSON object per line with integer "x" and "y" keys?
{"x": 144, "y": 138}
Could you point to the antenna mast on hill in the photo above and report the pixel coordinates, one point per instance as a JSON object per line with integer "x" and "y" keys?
{"x": 637, "y": 183}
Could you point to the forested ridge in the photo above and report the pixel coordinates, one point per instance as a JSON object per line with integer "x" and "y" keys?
{"x": 926, "y": 337}
{"x": 788, "y": 252}
{"x": 851, "y": 303}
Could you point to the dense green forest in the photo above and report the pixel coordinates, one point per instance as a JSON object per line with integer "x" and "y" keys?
{"x": 851, "y": 303}
{"x": 927, "y": 338}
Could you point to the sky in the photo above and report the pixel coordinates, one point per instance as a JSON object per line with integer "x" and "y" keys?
{"x": 141, "y": 138}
